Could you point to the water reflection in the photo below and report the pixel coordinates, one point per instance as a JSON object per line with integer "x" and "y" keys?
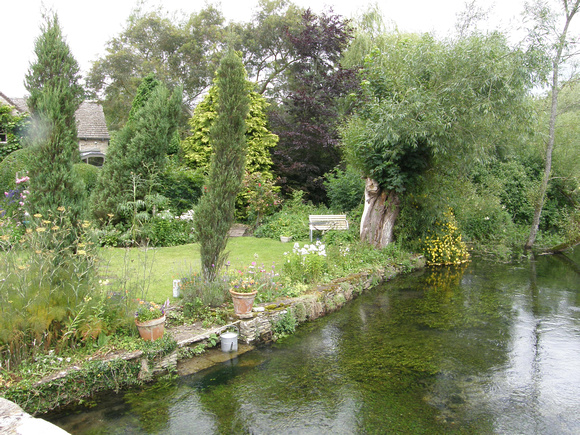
{"x": 477, "y": 349}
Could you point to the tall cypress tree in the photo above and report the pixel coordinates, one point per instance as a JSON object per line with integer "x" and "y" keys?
{"x": 55, "y": 95}
{"x": 215, "y": 213}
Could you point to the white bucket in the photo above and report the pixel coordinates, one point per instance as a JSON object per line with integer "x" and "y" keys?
{"x": 229, "y": 341}
{"x": 176, "y": 283}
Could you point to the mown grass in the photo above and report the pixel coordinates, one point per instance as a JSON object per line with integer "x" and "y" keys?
{"x": 154, "y": 269}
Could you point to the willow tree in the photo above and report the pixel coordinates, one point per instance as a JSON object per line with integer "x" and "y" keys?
{"x": 549, "y": 35}
{"x": 215, "y": 212}
{"x": 423, "y": 103}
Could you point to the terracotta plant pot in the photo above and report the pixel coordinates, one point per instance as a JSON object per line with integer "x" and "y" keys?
{"x": 151, "y": 329}
{"x": 243, "y": 303}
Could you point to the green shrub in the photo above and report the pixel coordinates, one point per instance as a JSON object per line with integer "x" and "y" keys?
{"x": 342, "y": 237}
{"x": 285, "y": 325}
{"x": 88, "y": 173}
{"x": 165, "y": 230}
{"x": 182, "y": 186}
{"x": 345, "y": 189}
{"x": 15, "y": 164}
{"x": 257, "y": 199}
{"x": 291, "y": 220}
{"x": 196, "y": 288}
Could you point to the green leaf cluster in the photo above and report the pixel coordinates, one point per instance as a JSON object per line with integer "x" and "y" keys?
{"x": 12, "y": 125}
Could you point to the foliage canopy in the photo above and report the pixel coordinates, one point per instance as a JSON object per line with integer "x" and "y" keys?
{"x": 423, "y": 102}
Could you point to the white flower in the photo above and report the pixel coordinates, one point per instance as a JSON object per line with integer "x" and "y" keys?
{"x": 187, "y": 216}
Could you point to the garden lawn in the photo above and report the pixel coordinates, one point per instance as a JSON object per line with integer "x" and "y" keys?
{"x": 152, "y": 270}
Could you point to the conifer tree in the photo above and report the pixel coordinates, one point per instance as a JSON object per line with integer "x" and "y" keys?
{"x": 139, "y": 150}
{"x": 55, "y": 95}
{"x": 215, "y": 213}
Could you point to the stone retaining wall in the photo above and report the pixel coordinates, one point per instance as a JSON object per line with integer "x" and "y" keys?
{"x": 322, "y": 301}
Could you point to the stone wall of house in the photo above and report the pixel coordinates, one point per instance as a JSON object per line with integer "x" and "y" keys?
{"x": 93, "y": 145}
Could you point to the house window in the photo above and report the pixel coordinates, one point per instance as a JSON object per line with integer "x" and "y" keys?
{"x": 3, "y": 137}
{"x": 95, "y": 161}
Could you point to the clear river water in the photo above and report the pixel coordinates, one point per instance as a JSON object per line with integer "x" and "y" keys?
{"x": 485, "y": 348}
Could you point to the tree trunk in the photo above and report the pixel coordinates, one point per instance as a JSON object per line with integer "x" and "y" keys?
{"x": 561, "y": 44}
{"x": 380, "y": 213}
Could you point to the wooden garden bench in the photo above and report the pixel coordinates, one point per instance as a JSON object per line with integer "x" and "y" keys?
{"x": 325, "y": 222}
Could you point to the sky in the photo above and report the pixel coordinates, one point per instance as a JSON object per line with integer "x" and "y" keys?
{"x": 88, "y": 26}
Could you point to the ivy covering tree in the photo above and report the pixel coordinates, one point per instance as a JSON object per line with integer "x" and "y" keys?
{"x": 12, "y": 127}
{"x": 215, "y": 212}
{"x": 55, "y": 95}
{"x": 138, "y": 153}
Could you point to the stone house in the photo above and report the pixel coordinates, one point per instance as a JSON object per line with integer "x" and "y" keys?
{"x": 92, "y": 131}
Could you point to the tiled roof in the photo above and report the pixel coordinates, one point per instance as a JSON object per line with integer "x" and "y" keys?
{"x": 90, "y": 118}
{"x": 20, "y": 104}
{"x": 91, "y": 121}
{"x": 6, "y": 100}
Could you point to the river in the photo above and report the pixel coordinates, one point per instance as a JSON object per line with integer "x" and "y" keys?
{"x": 485, "y": 348}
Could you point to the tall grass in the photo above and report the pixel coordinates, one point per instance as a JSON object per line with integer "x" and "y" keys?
{"x": 48, "y": 291}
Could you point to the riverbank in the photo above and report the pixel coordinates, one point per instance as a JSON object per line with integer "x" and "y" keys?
{"x": 173, "y": 354}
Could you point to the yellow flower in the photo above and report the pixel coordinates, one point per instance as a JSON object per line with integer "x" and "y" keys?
{"x": 81, "y": 252}
{"x": 46, "y": 222}
{"x": 55, "y": 228}
{"x": 37, "y": 215}
{"x": 28, "y": 230}
{"x": 40, "y": 230}
{"x": 5, "y": 237}
{"x": 61, "y": 208}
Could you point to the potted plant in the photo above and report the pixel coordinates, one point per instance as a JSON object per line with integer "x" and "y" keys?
{"x": 285, "y": 239}
{"x": 243, "y": 291}
{"x": 150, "y": 320}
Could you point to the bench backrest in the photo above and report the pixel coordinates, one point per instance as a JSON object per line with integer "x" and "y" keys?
{"x": 337, "y": 220}
{"x": 323, "y": 222}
